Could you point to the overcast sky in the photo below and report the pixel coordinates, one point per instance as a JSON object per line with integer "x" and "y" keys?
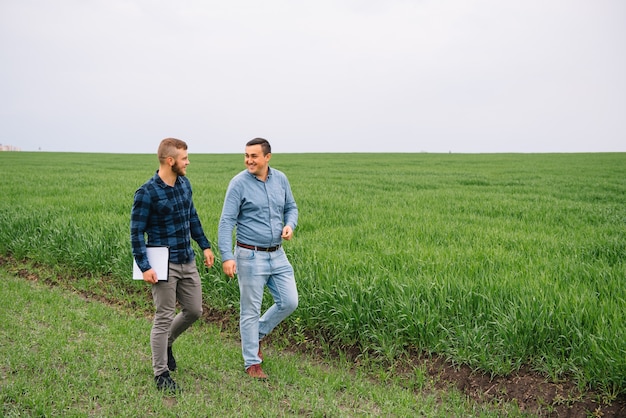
{"x": 314, "y": 76}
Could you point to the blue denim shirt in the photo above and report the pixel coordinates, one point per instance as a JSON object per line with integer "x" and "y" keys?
{"x": 167, "y": 215}
{"x": 259, "y": 211}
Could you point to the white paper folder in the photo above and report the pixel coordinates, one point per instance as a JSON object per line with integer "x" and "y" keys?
{"x": 159, "y": 258}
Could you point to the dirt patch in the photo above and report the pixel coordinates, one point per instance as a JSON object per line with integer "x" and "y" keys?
{"x": 532, "y": 392}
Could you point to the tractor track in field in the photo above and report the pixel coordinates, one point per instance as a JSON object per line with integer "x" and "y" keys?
{"x": 531, "y": 391}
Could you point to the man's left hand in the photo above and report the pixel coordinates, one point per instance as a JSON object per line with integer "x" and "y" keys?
{"x": 287, "y": 233}
{"x": 209, "y": 258}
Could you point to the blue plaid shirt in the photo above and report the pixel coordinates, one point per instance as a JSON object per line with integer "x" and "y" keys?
{"x": 168, "y": 217}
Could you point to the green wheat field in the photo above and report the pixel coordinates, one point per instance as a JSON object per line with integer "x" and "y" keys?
{"x": 491, "y": 260}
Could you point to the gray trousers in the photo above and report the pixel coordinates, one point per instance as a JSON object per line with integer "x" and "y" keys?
{"x": 183, "y": 285}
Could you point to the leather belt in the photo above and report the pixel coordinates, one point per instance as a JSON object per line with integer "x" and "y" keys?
{"x": 255, "y": 248}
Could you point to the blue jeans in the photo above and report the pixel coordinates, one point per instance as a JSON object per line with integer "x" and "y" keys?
{"x": 255, "y": 270}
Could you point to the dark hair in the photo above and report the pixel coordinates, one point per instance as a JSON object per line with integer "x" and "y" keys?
{"x": 169, "y": 148}
{"x": 265, "y": 145}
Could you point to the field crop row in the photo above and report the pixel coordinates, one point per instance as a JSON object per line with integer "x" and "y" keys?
{"x": 493, "y": 260}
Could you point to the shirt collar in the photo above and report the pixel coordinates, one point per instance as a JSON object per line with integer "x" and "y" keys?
{"x": 269, "y": 174}
{"x": 160, "y": 181}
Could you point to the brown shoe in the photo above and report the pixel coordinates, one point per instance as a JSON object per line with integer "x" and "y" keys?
{"x": 256, "y": 372}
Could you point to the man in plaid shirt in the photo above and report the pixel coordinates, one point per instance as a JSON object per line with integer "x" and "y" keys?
{"x": 163, "y": 210}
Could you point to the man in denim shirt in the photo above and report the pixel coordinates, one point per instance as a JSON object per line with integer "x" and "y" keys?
{"x": 260, "y": 205}
{"x": 163, "y": 210}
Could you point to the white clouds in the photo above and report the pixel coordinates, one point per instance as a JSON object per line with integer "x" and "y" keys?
{"x": 471, "y": 76}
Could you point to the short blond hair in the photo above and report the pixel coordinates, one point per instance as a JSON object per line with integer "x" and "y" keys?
{"x": 169, "y": 148}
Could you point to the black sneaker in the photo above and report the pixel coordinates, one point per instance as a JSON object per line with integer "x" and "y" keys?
{"x": 166, "y": 384}
{"x": 171, "y": 361}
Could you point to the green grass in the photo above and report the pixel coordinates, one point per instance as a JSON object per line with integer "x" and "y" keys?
{"x": 64, "y": 355}
{"x": 494, "y": 261}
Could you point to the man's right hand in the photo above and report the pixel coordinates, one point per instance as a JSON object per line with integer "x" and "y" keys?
{"x": 230, "y": 268}
{"x": 150, "y": 276}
